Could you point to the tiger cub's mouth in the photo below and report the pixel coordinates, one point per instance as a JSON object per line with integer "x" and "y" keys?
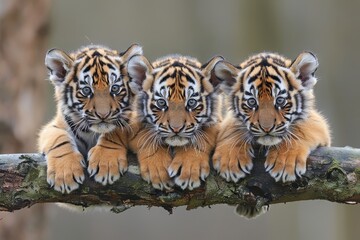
{"x": 269, "y": 140}
{"x": 176, "y": 141}
{"x": 102, "y": 127}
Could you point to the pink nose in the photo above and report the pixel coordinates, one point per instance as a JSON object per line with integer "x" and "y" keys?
{"x": 266, "y": 128}
{"x": 102, "y": 115}
{"x": 176, "y": 129}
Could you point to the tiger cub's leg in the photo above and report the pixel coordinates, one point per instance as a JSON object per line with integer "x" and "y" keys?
{"x": 190, "y": 164}
{"x": 288, "y": 159}
{"x": 233, "y": 154}
{"x": 64, "y": 161}
{"x": 108, "y": 158}
{"x": 153, "y": 167}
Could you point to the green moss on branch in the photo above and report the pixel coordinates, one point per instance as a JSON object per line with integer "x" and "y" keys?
{"x": 333, "y": 174}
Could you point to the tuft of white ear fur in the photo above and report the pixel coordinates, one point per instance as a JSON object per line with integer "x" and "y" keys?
{"x": 226, "y": 73}
{"x": 304, "y": 67}
{"x": 134, "y": 49}
{"x": 138, "y": 67}
{"x": 59, "y": 64}
{"x": 208, "y": 68}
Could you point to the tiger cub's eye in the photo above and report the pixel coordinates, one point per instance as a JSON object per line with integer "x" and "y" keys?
{"x": 161, "y": 103}
{"x": 280, "y": 101}
{"x": 191, "y": 103}
{"x": 86, "y": 91}
{"x": 251, "y": 102}
{"x": 115, "y": 89}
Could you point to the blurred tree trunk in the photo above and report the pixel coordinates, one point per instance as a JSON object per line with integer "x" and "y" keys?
{"x": 23, "y": 37}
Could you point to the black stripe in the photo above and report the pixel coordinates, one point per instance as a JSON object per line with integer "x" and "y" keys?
{"x": 276, "y": 78}
{"x": 291, "y": 88}
{"x": 87, "y": 69}
{"x": 178, "y": 64}
{"x": 59, "y": 145}
{"x": 63, "y": 155}
{"x": 116, "y": 143}
{"x": 247, "y": 93}
{"x": 282, "y": 92}
{"x": 108, "y": 147}
{"x": 110, "y": 66}
{"x": 96, "y": 54}
{"x": 252, "y": 79}
{"x": 189, "y": 79}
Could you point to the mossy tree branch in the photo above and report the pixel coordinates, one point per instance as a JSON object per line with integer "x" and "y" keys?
{"x": 333, "y": 174}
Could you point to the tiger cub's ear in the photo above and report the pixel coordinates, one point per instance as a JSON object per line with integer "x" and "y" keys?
{"x": 59, "y": 64}
{"x": 304, "y": 67}
{"x": 227, "y": 74}
{"x": 139, "y": 70}
{"x": 134, "y": 49}
{"x": 210, "y": 81}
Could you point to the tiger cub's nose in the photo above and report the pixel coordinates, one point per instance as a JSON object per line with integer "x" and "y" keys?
{"x": 267, "y": 127}
{"x": 176, "y": 129}
{"x": 102, "y": 114}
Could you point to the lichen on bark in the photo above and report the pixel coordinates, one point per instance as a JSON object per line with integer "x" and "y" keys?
{"x": 332, "y": 174}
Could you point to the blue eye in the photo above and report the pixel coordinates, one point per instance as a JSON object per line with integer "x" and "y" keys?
{"x": 115, "y": 89}
{"x": 251, "y": 102}
{"x": 161, "y": 103}
{"x": 280, "y": 101}
{"x": 86, "y": 91}
{"x": 191, "y": 103}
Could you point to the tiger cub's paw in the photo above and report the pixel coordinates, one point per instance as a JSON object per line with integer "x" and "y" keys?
{"x": 285, "y": 163}
{"x": 233, "y": 163}
{"x": 188, "y": 168}
{"x": 65, "y": 173}
{"x": 106, "y": 164}
{"x": 153, "y": 169}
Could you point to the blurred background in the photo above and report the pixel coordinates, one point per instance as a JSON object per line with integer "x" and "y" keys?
{"x": 232, "y": 28}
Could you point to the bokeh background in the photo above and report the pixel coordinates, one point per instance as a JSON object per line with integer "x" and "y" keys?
{"x": 232, "y": 28}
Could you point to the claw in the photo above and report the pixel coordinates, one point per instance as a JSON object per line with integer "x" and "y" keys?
{"x": 182, "y": 184}
{"x": 60, "y": 189}
{"x": 123, "y": 170}
{"x": 78, "y": 179}
{"x": 111, "y": 179}
{"x": 51, "y": 182}
{"x": 226, "y": 175}
{"x": 203, "y": 176}
{"x": 166, "y": 186}
{"x": 288, "y": 178}
{"x": 300, "y": 172}
{"x": 217, "y": 166}
{"x": 91, "y": 172}
{"x": 276, "y": 176}
{"x": 83, "y": 163}
{"x": 268, "y": 167}
{"x": 171, "y": 172}
{"x": 247, "y": 168}
{"x": 157, "y": 186}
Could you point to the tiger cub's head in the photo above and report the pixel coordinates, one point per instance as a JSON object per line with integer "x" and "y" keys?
{"x": 177, "y": 97}
{"x": 92, "y": 86}
{"x": 270, "y": 94}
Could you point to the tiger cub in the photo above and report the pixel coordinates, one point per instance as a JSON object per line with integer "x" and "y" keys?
{"x": 272, "y": 105}
{"x": 176, "y": 119}
{"x": 93, "y": 98}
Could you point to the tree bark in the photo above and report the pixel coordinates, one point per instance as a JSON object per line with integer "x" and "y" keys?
{"x": 332, "y": 174}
